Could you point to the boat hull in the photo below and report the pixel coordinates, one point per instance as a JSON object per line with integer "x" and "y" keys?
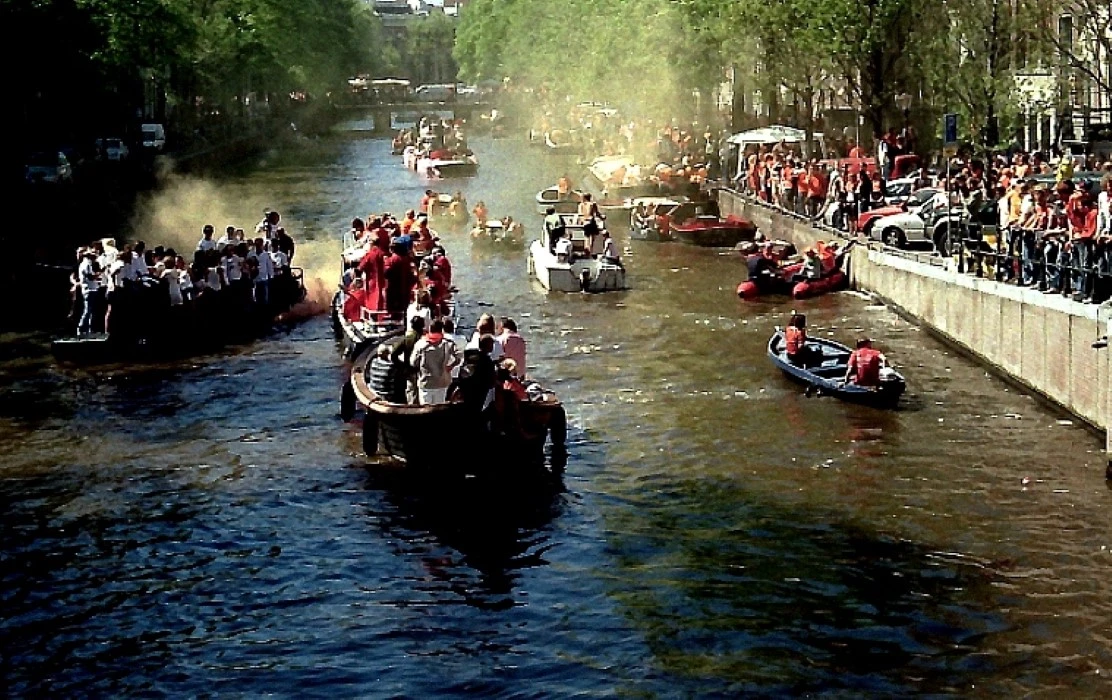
{"x": 720, "y": 235}
{"x": 813, "y": 288}
{"x": 358, "y": 337}
{"x": 585, "y": 275}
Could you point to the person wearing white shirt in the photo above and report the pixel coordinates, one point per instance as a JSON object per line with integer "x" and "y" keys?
{"x": 485, "y": 326}
{"x": 185, "y": 278}
{"x": 563, "y": 248}
{"x": 172, "y": 277}
{"x": 264, "y": 272}
{"x": 229, "y": 238}
{"x": 233, "y": 267}
{"x": 206, "y": 244}
{"x": 89, "y": 278}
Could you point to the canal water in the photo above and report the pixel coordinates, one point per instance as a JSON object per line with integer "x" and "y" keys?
{"x": 213, "y": 527}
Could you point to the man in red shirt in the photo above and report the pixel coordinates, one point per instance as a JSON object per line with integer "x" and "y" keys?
{"x": 864, "y": 365}
{"x": 1082, "y": 214}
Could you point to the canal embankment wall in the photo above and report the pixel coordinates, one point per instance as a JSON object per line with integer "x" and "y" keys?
{"x": 1043, "y": 342}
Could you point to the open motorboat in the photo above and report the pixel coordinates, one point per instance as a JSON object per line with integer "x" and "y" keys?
{"x": 582, "y": 272}
{"x": 461, "y": 166}
{"x": 563, "y": 202}
{"x": 826, "y": 373}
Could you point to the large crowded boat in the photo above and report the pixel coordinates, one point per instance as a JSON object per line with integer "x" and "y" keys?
{"x": 487, "y": 409}
{"x": 147, "y": 304}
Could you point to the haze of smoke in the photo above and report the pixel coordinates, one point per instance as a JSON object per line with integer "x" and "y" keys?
{"x": 175, "y": 214}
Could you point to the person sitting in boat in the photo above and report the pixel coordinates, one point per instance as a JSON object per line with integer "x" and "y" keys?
{"x": 564, "y": 249}
{"x": 512, "y": 230}
{"x": 827, "y": 256}
{"x": 864, "y": 365}
{"x": 795, "y": 342}
{"x": 480, "y": 212}
{"x": 554, "y": 227}
{"x": 762, "y": 267}
{"x": 609, "y": 252}
{"x": 812, "y": 265}
{"x": 563, "y": 186}
{"x": 432, "y": 359}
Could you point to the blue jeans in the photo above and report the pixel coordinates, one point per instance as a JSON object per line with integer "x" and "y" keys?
{"x": 1029, "y": 251}
{"x": 1082, "y": 261}
{"x": 92, "y": 300}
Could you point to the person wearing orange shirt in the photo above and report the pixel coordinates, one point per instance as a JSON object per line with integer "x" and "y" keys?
{"x": 408, "y": 221}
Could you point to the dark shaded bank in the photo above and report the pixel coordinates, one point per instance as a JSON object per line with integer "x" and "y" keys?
{"x": 45, "y": 223}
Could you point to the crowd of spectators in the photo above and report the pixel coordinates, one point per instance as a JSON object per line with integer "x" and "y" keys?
{"x": 1049, "y": 223}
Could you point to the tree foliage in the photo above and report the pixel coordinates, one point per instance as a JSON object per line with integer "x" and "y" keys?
{"x": 110, "y": 52}
{"x": 951, "y": 55}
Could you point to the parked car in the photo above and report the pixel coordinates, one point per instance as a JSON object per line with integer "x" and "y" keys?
{"x": 154, "y": 136}
{"x": 910, "y": 203}
{"x": 938, "y": 225}
{"x": 48, "y": 167}
{"x": 928, "y": 224}
{"x": 112, "y": 149}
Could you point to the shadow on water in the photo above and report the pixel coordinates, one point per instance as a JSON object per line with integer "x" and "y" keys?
{"x": 785, "y": 603}
{"x": 498, "y": 528}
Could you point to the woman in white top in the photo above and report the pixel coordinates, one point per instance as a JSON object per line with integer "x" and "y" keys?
{"x": 486, "y": 327}
{"x": 421, "y": 307}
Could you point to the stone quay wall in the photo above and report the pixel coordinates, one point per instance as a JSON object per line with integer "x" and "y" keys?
{"x": 1043, "y": 342}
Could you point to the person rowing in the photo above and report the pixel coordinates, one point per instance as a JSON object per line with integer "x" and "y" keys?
{"x": 864, "y": 365}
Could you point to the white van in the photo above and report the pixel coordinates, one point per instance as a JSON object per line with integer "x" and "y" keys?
{"x": 154, "y": 136}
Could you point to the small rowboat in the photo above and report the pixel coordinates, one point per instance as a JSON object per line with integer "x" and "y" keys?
{"x": 826, "y": 373}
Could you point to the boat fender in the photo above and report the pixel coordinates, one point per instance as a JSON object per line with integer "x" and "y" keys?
{"x": 347, "y": 401}
{"x": 370, "y": 433}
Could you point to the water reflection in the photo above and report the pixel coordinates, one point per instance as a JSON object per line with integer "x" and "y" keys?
{"x": 486, "y": 532}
